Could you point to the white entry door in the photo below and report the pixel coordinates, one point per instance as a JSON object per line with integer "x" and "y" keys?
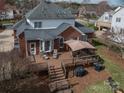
{"x": 33, "y": 48}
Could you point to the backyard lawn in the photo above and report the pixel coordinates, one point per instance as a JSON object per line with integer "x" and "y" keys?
{"x": 114, "y": 69}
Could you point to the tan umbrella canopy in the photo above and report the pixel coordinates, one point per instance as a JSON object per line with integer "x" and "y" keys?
{"x": 76, "y": 45}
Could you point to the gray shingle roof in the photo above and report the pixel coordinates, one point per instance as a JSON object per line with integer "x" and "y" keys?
{"x": 83, "y": 28}
{"x": 47, "y": 10}
{"x": 21, "y": 26}
{"x": 45, "y": 34}
{"x": 18, "y": 23}
{"x": 37, "y": 35}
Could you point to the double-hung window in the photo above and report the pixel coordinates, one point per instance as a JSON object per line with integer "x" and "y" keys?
{"x": 118, "y": 19}
{"x": 37, "y": 24}
{"x": 61, "y": 42}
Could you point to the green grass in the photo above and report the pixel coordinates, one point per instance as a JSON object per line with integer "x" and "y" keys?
{"x": 99, "y": 87}
{"x": 116, "y": 72}
{"x": 7, "y": 21}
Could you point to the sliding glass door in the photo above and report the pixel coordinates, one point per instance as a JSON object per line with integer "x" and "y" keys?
{"x": 47, "y": 46}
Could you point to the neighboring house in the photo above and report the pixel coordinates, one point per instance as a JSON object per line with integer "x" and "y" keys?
{"x": 45, "y": 28}
{"x": 117, "y": 27}
{"x": 104, "y": 21}
{"x": 118, "y": 20}
{"x": 87, "y": 31}
{"x": 8, "y": 12}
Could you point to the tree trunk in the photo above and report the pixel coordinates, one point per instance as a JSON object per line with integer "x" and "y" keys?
{"x": 122, "y": 53}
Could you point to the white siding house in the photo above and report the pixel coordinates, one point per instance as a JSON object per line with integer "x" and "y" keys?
{"x": 105, "y": 20}
{"x": 118, "y": 20}
{"x": 117, "y": 27}
{"x": 7, "y": 14}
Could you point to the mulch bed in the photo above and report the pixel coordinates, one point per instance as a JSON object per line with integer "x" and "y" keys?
{"x": 81, "y": 83}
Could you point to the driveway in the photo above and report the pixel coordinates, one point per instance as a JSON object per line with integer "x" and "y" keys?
{"x": 6, "y": 41}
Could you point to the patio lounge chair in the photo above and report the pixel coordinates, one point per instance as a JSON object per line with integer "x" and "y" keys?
{"x": 44, "y": 55}
{"x": 55, "y": 54}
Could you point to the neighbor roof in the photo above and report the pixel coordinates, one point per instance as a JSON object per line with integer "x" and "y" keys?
{"x": 83, "y": 28}
{"x": 48, "y": 10}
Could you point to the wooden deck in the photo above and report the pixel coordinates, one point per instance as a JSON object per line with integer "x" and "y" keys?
{"x": 65, "y": 58}
{"x": 58, "y": 68}
{"x": 103, "y": 24}
{"x": 39, "y": 63}
{"x": 52, "y": 61}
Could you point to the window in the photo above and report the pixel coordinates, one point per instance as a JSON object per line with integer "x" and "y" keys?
{"x": 41, "y": 46}
{"x": 61, "y": 42}
{"x": 118, "y": 19}
{"x": 110, "y": 16}
{"x": 33, "y": 48}
{"x": 122, "y": 31}
{"x": 47, "y": 45}
{"x": 106, "y": 18}
{"x": 37, "y": 24}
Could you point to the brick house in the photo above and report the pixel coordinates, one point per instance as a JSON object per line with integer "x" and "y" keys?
{"x": 45, "y": 28}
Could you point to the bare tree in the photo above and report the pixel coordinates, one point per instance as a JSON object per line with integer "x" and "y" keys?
{"x": 12, "y": 68}
{"x": 118, "y": 37}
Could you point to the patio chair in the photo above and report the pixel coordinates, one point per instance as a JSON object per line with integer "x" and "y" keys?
{"x": 44, "y": 55}
{"x": 55, "y": 54}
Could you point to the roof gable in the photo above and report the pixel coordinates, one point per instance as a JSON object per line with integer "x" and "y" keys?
{"x": 118, "y": 10}
{"x": 47, "y": 10}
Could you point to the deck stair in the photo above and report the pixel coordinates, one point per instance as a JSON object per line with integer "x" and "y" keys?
{"x": 57, "y": 78}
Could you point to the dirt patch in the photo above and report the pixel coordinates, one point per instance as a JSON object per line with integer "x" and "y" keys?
{"x": 114, "y": 57}
{"x": 80, "y": 84}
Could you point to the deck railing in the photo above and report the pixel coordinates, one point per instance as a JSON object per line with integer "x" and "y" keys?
{"x": 104, "y": 24}
{"x": 64, "y": 69}
{"x": 81, "y": 60}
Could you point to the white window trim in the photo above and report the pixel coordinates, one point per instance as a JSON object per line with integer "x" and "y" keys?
{"x": 50, "y": 49}
{"x": 35, "y": 47}
{"x": 41, "y": 46}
